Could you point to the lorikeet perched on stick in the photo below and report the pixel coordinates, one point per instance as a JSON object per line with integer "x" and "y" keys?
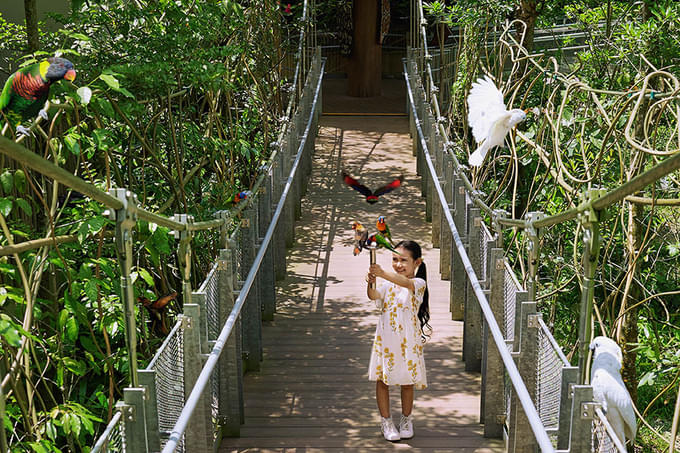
{"x": 27, "y": 90}
{"x": 360, "y": 237}
{"x": 380, "y": 241}
{"x": 382, "y": 227}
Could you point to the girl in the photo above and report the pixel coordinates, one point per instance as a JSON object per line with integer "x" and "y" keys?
{"x": 397, "y": 354}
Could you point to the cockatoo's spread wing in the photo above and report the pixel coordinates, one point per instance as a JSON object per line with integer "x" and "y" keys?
{"x": 485, "y": 106}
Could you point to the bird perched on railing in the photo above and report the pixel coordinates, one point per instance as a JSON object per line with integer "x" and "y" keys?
{"x": 609, "y": 389}
{"x": 241, "y": 196}
{"x": 27, "y": 90}
{"x": 489, "y": 119}
{"x": 383, "y": 229}
{"x": 371, "y": 195}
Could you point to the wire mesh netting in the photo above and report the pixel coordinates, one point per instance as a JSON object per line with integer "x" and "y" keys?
{"x": 468, "y": 202}
{"x": 510, "y": 302}
{"x": 548, "y": 378}
{"x": 484, "y": 237}
{"x": 236, "y": 255}
{"x": 602, "y": 442}
{"x": 210, "y": 287}
{"x": 602, "y": 435}
{"x": 113, "y": 438}
{"x": 169, "y": 367}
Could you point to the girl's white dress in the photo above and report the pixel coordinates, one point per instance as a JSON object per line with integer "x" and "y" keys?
{"x": 397, "y": 354}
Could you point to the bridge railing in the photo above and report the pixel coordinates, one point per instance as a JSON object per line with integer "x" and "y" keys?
{"x": 191, "y": 393}
{"x": 453, "y": 202}
{"x": 529, "y": 391}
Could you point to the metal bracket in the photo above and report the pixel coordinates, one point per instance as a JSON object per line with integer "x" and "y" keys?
{"x": 477, "y": 221}
{"x": 588, "y": 410}
{"x": 127, "y": 411}
{"x": 500, "y": 264}
{"x": 533, "y": 320}
{"x": 461, "y": 190}
{"x": 186, "y": 322}
{"x": 531, "y": 217}
{"x": 587, "y": 214}
{"x": 245, "y": 223}
{"x": 222, "y": 265}
{"x": 500, "y": 419}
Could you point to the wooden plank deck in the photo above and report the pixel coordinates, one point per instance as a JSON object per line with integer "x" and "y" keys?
{"x": 312, "y": 393}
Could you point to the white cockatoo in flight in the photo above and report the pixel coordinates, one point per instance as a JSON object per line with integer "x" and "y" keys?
{"x": 608, "y": 387}
{"x": 489, "y": 119}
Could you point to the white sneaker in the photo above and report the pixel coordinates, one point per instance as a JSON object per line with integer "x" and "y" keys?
{"x": 388, "y": 429}
{"x": 406, "y": 426}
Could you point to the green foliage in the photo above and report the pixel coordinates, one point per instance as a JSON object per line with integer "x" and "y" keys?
{"x": 580, "y": 135}
{"x": 174, "y": 101}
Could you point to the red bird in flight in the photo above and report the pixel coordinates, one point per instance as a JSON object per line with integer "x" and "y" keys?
{"x": 372, "y": 195}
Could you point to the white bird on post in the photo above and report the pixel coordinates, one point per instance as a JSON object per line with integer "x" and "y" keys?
{"x": 489, "y": 119}
{"x": 608, "y": 387}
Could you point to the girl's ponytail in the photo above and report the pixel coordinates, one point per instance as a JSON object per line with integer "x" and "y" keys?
{"x": 424, "y": 310}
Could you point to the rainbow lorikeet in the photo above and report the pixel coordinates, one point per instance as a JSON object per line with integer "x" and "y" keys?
{"x": 371, "y": 195}
{"x": 380, "y": 241}
{"x": 383, "y": 229}
{"x": 241, "y": 196}
{"x": 27, "y": 90}
{"x": 360, "y": 237}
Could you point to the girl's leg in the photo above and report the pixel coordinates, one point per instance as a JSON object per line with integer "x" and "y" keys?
{"x": 382, "y": 396}
{"x": 406, "y": 399}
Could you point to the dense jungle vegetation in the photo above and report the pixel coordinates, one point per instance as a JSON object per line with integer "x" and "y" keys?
{"x": 604, "y": 107}
{"x": 185, "y": 102}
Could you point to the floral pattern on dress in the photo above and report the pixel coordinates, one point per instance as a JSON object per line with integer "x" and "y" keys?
{"x": 397, "y": 353}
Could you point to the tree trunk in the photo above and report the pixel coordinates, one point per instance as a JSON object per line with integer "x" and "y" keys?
{"x": 365, "y": 65}
{"x": 31, "y": 13}
{"x": 527, "y": 13}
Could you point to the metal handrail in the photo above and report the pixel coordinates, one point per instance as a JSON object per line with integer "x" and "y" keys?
{"x": 104, "y": 438}
{"x": 510, "y": 366}
{"x": 204, "y": 377}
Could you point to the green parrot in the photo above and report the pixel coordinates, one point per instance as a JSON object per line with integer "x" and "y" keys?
{"x": 27, "y": 90}
{"x": 380, "y": 240}
{"x": 382, "y": 227}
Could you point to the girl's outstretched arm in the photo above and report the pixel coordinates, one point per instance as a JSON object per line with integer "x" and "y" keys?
{"x": 393, "y": 277}
{"x": 372, "y": 293}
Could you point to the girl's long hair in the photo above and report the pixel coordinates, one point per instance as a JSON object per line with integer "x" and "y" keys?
{"x": 424, "y": 310}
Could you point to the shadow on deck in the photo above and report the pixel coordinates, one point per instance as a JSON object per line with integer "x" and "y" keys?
{"x": 313, "y": 393}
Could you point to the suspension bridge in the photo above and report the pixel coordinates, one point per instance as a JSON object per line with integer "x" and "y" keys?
{"x": 271, "y": 351}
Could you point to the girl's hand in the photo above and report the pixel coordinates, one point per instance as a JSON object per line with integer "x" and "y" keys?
{"x": 370, "y": 278}
{"x": 376, "y": 270}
